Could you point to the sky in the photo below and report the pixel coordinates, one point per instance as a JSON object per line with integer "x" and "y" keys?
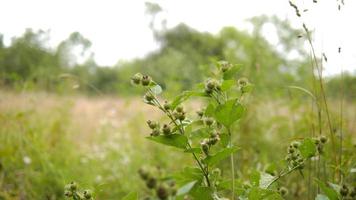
{"x": 119, "y": 29}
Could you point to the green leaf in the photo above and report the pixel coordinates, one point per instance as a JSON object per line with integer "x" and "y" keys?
{"x": 210, "y": 109}
{"x": 266, "y": 180}
{"x": 263, "y": 194}
{"x": 307, "y": 148}
{"x": 185, "y": 96}
{"x": 229, "y": 112}
{"x": 131, "y": 196}
{"x": 219, "y": 156}
{"x": 227, "y": 84}
{"x": 330, "y": 193}
{"x": 189, "y": 174}
{"x": 321, "y": 197}
{"x": 175, "y": 140}
{"x": 202, "y": 193}
{"x": 255, "y": 178}
{"x": 232, "y": 72}
{"x": 156, "y": 89}
{"x": 185, "y": 189}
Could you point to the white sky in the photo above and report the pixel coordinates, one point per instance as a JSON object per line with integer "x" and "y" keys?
{"x": 119, "y": 29}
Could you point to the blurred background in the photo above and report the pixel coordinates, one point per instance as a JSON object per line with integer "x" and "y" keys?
{"x": 68, "y": 110}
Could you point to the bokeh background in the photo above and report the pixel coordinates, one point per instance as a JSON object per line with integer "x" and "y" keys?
{"x": 69, "y": 112}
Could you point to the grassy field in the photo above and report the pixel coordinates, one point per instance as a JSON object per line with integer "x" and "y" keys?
{"x": 48, "y": 140}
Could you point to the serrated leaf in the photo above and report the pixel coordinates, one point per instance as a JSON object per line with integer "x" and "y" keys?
{"x": 255, "y": 178}
{"x": 219, "y": 156}
{"x": 131, "y": 196}
{"x": 229, "y": 112}
{"x": 174, "y": 140}
{"x": 202, "y": 193}
{"x": 156, "y": 89}
{"x": 330, "y": 193}
{"x": 263, "y": 194}
{"x": 185, "y": 96}
{"x": 307, "y": 148}
{"x": 227, "y": 84}
{"x": 232, "y": 72}
{"x": 266, "y": 180}
{"x": 185, "y": 189}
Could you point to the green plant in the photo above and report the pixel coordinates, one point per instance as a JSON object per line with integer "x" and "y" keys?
{"x": 208, "y": 137}
{"x": 72, "y": 191}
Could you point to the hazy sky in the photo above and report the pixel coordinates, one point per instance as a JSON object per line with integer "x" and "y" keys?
{"x": 119, "y": 29}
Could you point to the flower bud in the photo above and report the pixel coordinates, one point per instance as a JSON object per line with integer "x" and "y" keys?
{"x": 179, "y": 109}
{"x": 68, "y": 193}
{"x": 295, "y": 144}
{"x": 323, "y": 139}
{"x": 167, "y": 106}
{"x": 151, "y": 183}
{"x": 200, "y": 113}
{"x": 148, "y": 97}
{"x": 87, "y": 194}
{"x": 73, "y": 186}
{"x": 152, "y": 124}
{"x": 162, "y": 192}
{"x": 209, "y": 121}
{"x": 166, "y": 129}
{"x": 136, "y": 79}
{"x": 155, "y": 132}
{"x": 146, "y": 80}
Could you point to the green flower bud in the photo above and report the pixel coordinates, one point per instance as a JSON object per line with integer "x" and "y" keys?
{"x": 136, "y": 79}
{"x": 162, "y": 192}
{"x": 143, "y": 174}
{"x": 146, "y": 80}
{"x": 291, "y": 150}
{"x": 211, "y": 84}
{"x": 295, "y": 144}
{"x": 151, "y": 183}
{"x": 167, "y": 106}
{"x": 209, "y": 121}
{"x": 73, "y": 186}
{"x": 152, "y": 124}
{"x": 87, "y": 194}
{"x": 179, "y": 109}
{"x": 242, "y": 82}
{"x": 68, "y": 193}
{"x": 323, "y": 139}
{"x": 148, "y": 97}
{"x": 155, "y": 132}
{"x": 166, "y": 129}
{"x": 283, "y": 191}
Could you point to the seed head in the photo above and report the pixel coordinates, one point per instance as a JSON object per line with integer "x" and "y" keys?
{"x": 166, "y": 129}
{"x": 167, "y": 106}
{"x": 323, "y": 139}
{"x": 87, "y": 194}
{"x": 136, "y": 79}
{"x": 146, "y": 80}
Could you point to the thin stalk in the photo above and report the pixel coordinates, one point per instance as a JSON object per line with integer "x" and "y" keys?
{"x": 181, "y": 130}
{"x": 282, "y": 175}
{"x": 232, "y": 167}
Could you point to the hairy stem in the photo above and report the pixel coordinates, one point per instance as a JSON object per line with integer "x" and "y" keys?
{"x": 232, "y": 167}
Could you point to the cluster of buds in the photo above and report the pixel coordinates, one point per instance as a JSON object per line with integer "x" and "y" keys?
{"x": 208, "y": 142}
{"x": 224, "y": 66}
{"x": 242, "y": 84}
{"x": 346, "y": 193}
{"x": 320, "y": 141}
{"x": 212, "y": 85}
{"x": 164, "y": 189}
{"x": 294, "y": 158}
{"x": 72, "y": 191}
{"x": 141, "y": 79}
{"x": 156, "y": 130}
{"x": 179, "y": 113}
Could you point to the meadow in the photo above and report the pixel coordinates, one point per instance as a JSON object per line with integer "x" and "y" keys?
{"x": 48, "y": 140}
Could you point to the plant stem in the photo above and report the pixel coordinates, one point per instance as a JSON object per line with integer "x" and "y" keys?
{"x": 181, "y": 130}
{"x": 232, "y": 166}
